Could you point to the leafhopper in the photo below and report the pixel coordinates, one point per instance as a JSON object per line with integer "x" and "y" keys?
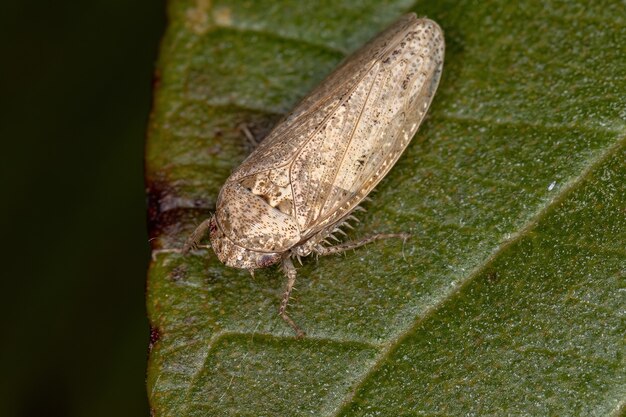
{"x": 303, "y": 182}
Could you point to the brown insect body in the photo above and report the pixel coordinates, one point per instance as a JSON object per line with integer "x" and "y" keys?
{"x": 314, "y": 168}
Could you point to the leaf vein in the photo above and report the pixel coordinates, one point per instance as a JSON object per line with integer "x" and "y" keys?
{"x": 479, "y": 270}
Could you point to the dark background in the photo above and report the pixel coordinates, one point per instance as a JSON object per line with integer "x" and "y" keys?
{"x": 76, "y": 92}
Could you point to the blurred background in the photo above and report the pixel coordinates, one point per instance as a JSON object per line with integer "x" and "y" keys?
{"x": 76, "y": 91}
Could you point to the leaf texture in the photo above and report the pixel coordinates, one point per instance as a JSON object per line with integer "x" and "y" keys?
{"x": 509, "y": 297}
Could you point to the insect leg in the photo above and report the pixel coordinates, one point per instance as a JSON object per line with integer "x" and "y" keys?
{"x": 290, "y": 270}
{"x": 342, "y": 247}
{"x": 252, "y": 140}
{"x": 196, "y": 236}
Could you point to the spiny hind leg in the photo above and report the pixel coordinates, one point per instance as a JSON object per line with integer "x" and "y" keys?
{"x": 197, "y": 235}
{"x": 342, "y": 247}
{"x": 290, "y": 270}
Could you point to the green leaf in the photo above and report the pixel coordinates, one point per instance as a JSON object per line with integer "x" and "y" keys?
{"x": 510, "y": 296}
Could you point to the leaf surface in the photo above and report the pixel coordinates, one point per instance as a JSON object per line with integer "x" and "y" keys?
{"x": 510, "y": 296}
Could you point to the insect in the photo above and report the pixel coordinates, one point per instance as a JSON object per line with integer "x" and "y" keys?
{"x": 305, "y": 179}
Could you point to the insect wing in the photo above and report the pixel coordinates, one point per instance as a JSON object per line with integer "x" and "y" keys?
{"x": 286, "y": 140}
{"x": 360, "y": 142}
{"x": 343, "y": 138}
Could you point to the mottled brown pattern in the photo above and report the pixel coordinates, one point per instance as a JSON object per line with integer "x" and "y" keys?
{"x": 315, "y": 167}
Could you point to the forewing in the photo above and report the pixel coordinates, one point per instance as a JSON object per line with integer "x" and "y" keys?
{"x": 361, "y": 140}
{"x": 288, "y": 138}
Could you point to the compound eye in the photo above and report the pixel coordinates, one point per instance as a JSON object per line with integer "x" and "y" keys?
{"x": 266, "y": 260}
